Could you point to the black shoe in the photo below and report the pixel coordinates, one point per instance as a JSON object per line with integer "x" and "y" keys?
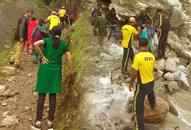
{"x": 50, "y": 127}
{"x": 35, "y": 126}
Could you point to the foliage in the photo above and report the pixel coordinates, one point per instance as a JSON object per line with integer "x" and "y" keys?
{"x": 70, "y": 115}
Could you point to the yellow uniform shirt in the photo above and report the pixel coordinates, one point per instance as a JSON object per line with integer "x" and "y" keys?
{"x": 144, "y": 63}
{"x": 54, "y": 21}
{"x": 128, "y": 31}
{"x": 62, "y": 12}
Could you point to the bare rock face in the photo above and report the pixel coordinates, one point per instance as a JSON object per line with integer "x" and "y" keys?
{"x": 158, "y": 114}
{"x": 178, "y": 46}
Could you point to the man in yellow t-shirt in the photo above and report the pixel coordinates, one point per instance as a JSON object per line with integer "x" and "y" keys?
{"x": 143, "y": 70}
{"x": 53, "y": 19}
{"x": 128, "y": 32}
{"x": 62, "y": 13}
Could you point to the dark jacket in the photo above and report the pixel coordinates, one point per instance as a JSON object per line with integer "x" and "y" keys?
{"x": 22, "y": 29}
{"x": 101, "y": 25}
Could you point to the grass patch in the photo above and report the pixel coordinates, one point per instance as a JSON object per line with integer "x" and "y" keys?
{"x": 69, "y": 114}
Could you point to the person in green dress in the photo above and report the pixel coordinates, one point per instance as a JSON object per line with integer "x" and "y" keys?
{"x": 50, "y": 73}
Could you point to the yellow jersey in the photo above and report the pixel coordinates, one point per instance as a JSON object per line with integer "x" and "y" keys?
{"x": 128, "y": 32}
{"x": 62, "y": 12}
{"x": 144, "y": 63}
{"x": 54, "y": 21}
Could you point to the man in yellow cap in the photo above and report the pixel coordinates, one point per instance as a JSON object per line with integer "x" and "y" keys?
{"x": 62, "y": 13}
{"x": 53, "y": 19}
{"x": 128, "y": 32}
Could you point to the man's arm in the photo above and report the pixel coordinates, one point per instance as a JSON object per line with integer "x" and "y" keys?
{"x": 133, "y": 76}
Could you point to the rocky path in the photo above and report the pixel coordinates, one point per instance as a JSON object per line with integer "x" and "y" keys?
{"x": 18, "y": 102}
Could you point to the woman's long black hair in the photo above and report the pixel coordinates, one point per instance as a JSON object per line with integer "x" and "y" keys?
{"x": 55, "y": 34}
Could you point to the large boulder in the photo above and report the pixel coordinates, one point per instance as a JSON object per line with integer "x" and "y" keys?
{"x": 158, "y": 114}
{"x": 150, "y": 115}
{"x": 178, "y": 17}
{"x": 171, "y": 64}
{"x": 160, "y": 64}
{"x": 179, "y": 46}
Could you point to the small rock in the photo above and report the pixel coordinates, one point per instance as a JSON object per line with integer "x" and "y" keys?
{"x": 9, "y": 94}
{"x": 183, "y": 81}
{"x": 5, "y": 114}
{"x": 9, "y": 121}
{"x": 4, "y": 103}
{"x": 173, "y": 110}
{"x": 11, "y": 79}
{"x": 8, "y": 70}
{"x": 173, "y": 86}
{"x": 2, "y": 89}
{"x": 29, "y": 75}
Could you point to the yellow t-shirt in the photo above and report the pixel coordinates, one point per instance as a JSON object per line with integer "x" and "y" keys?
{"x": 62, "y": 12}
{"x": 144, "y": 63}
{"x": 128, "y": 31}
{"x": 54, "y": 21}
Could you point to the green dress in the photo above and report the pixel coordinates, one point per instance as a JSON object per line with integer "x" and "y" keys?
{"x": 50, "y": 75}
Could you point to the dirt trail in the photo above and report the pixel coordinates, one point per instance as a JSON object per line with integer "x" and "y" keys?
{"x": 22, "y": 105}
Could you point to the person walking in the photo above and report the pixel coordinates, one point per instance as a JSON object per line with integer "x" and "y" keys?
{"x": 53, "y": 19}
{"x": 50, "y": 73}
{"x": 165, "y": 28}
{"x": 38, "y": 34}
{"x": 32, "y": 24}
{"x": 101, "y": 27}
{"x": 157, "y": 22}
{"x": 128, "y": 33}
{"x": 62, "y": 13}
{"x": 143, "y": 70}
{"x": 21, "y": 36}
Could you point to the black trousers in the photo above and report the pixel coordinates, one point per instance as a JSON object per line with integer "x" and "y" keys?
{"x": 127, "y": 54}
{"x": 62, "y": 19}
{"x": 40, "y": 106}
{"x": 162, "y": 45}
{"x": 141, "y": 91}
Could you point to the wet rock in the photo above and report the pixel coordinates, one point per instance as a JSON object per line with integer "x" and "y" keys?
{"x": 2, "y": 89}
{"x": 183, "y": 81}
{"x": 173, "y": 110}
{"x": 171, "y": 64}
{"x": 160, "y": 64}
{"x": 8, "y": 70}
{"x": 9, "y": 121}
{"x": 171, "y": 87}
{"x": 130, "y": 105}
{"x": 158, "y": 114}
